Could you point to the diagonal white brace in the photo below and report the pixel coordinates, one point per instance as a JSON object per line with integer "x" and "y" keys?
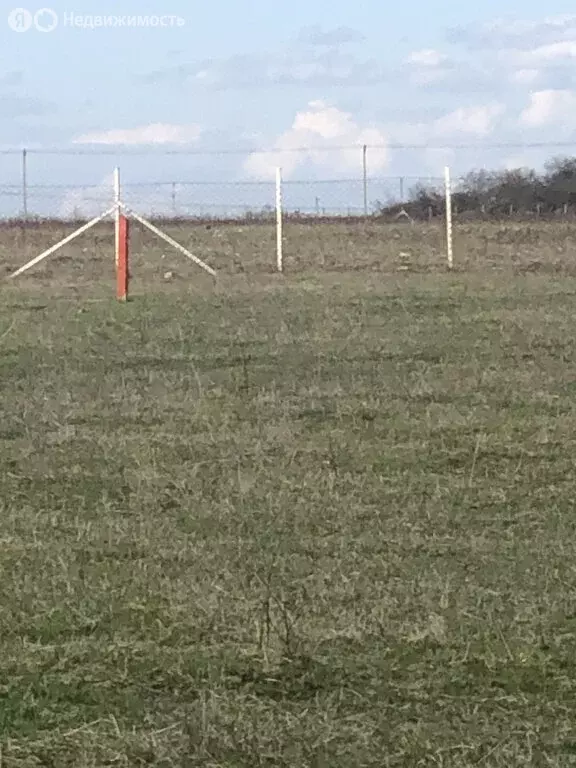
{"x": 59, "y": 245}
{"x": 168, "y": 239}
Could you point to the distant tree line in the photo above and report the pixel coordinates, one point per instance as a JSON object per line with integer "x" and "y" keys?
{"x": 495, "y": 194}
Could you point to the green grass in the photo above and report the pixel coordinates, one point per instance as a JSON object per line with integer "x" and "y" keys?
{"x": 319, "y": 520}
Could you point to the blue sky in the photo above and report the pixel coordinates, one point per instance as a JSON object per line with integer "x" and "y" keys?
{"x": 239, "y": 75}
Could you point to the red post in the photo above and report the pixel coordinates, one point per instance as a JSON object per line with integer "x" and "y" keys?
{"x": 122, "y": 276}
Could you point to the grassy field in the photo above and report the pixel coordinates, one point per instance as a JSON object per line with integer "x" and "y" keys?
{"x": 318, "y": 520}
{"x": 250, "y": 250}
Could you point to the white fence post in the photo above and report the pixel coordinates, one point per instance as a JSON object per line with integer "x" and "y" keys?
{"x": 448, "y": 195}
{"x": 117, "y": 203}
{"x": 365, "y": 178}
{"x": 25, "y": 185}
{"x": 279, "y": 222}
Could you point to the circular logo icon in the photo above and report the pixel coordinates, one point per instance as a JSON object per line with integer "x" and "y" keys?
{"x": 20, "y": 20}
{"x": 45, "y": 20}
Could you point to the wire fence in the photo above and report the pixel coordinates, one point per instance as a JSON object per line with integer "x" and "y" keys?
{"x": 72, "y": 184}
{"x": 211, "y": 199}
{"x": 409, "y": 222}
{"x": 318, "y": 197}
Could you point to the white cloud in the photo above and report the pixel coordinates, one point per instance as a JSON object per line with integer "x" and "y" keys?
{"x": 555, "y": 51}
{"x": 514, "y": 162}
{"x": 434, "y": 70}
{"x": 326, "y": 130}
{"x": 521, "y": 52}
{"x": 427, "y": 66}
{"x": 428, "y": 57}
{"x": 323, "y": 129}
{"x": 553, "y": 54}
{"x": 550, "y": 107}
{"x": 92, "y": 201}
{"x": 428, "y": 76}
{"x": 524, "y": 76}
{"x": 313, "y": 65}
{"x": 156, "y": 133}
{"x": 477, "y": 121}
{"x": 88, "y": 201}
{"x": 435, "y": 160}
{"x": 517, "y": 33}
{"x": 315, "y": 35}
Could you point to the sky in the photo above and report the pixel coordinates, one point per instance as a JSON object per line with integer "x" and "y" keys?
{"x": 220, "y": 80}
